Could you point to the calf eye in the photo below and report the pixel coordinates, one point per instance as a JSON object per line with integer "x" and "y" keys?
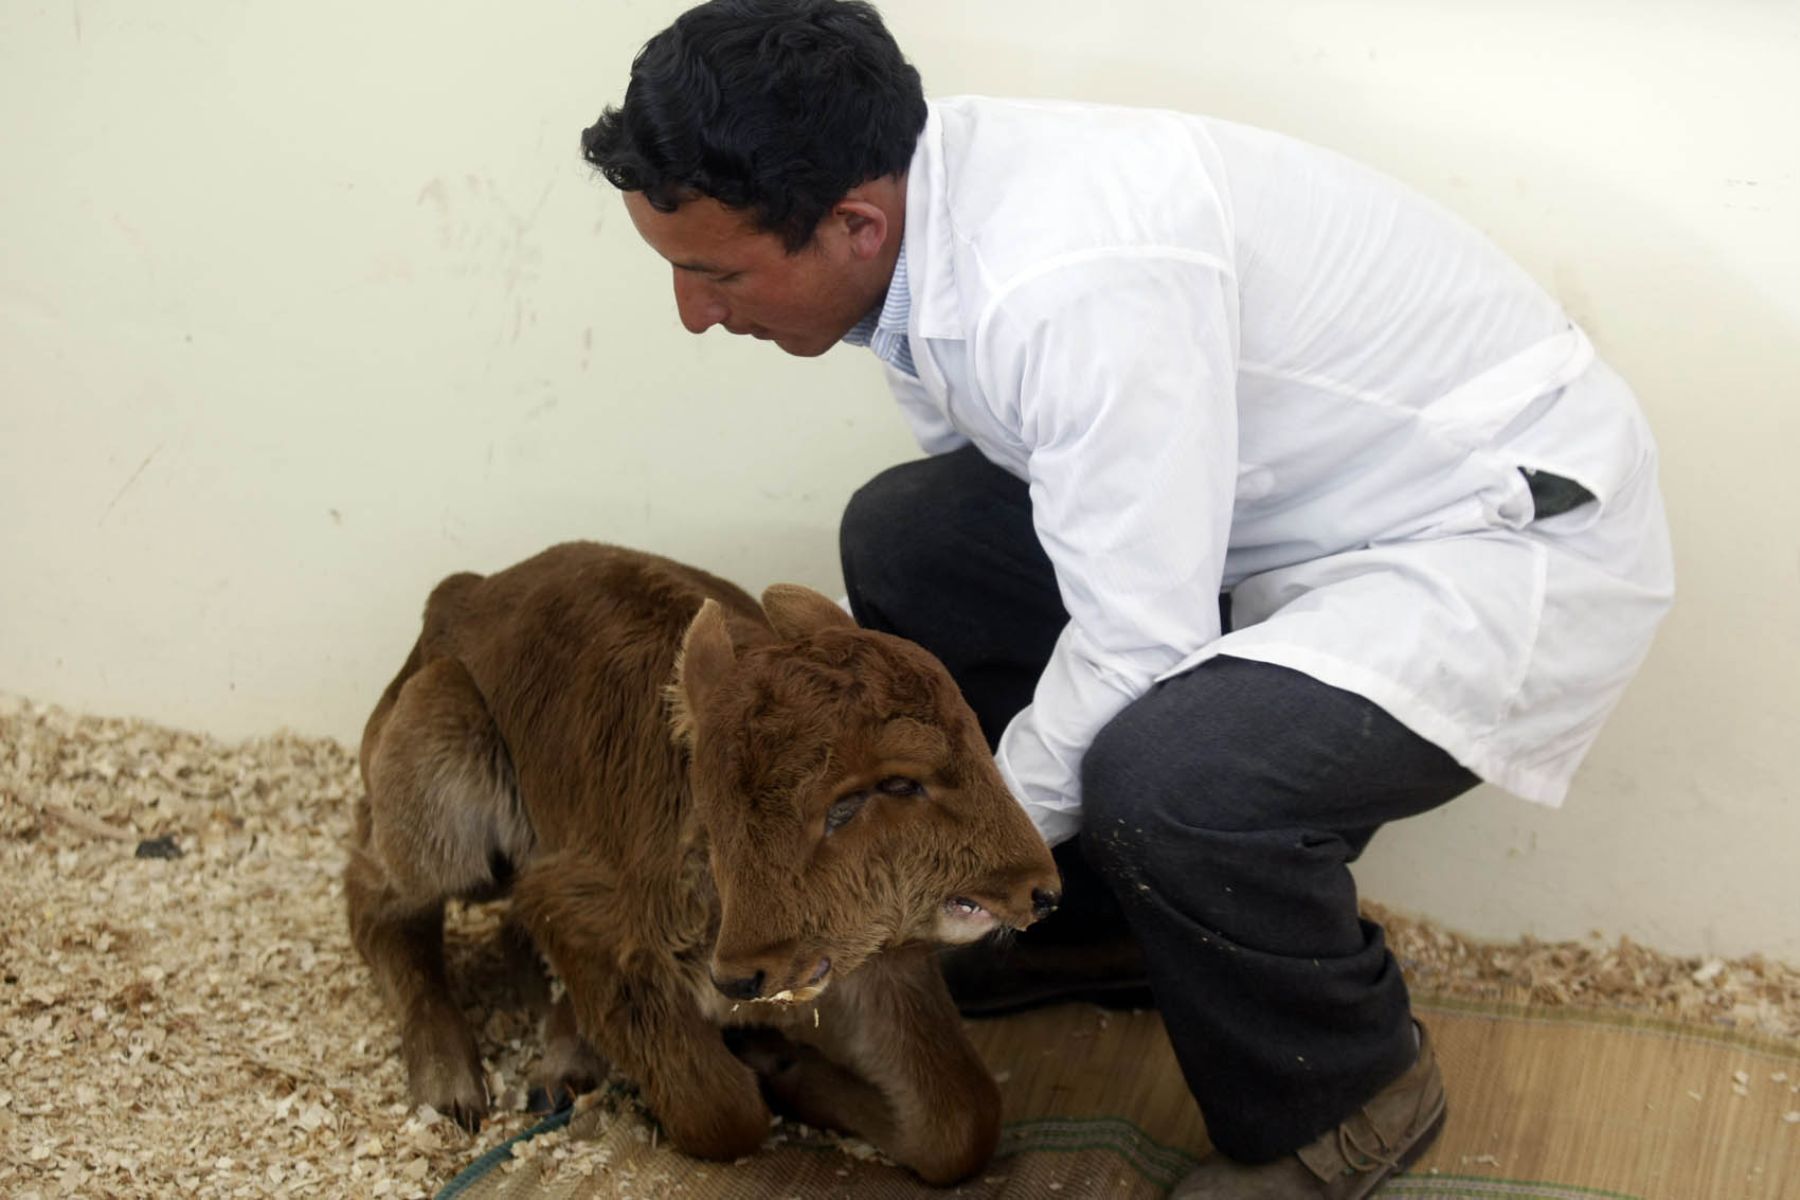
{"x": 846, "y": 807}
{"x": 899, "y": 785}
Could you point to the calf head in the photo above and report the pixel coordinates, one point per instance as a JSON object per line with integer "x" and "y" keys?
{"x": 849, "y": 800}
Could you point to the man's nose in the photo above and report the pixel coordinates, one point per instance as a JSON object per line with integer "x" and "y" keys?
{"x": 699, "y": 306}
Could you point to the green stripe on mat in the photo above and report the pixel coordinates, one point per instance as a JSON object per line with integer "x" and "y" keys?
{"x": 1151, "y": 1159}
{"x": 1155, "y": 1163}
{"x": 1765, "y": 1044}
{"x": 1476, "y": 1187}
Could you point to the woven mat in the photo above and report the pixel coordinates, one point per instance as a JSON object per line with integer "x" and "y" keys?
{"x": 1545, "y": 1103}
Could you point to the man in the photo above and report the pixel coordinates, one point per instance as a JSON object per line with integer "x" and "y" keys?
{"x": 1267, "y": 503}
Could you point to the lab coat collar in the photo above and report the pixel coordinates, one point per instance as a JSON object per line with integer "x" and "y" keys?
{"x": 930, "y": 238}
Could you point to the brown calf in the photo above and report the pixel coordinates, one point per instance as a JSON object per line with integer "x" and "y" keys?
{"x": 710, "y": 815}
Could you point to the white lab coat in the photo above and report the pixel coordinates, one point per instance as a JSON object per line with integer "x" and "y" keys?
{"x": 1225, "y": 359}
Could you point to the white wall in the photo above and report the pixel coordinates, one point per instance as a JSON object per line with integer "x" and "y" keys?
{"x": 304, "y": 306}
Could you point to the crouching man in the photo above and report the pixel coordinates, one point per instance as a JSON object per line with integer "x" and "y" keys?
{"x": 1266, "y": 503}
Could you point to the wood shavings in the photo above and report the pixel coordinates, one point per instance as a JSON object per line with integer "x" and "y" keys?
{"x": 786, "y": 996}
{"x": 1708, "y": 971}
{"x": 201, "y": 1026}
{"x": 87, "y": 824}
{"x": 1751, "y": 993}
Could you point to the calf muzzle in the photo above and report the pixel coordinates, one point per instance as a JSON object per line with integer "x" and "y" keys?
{"x": 745, "y": 987}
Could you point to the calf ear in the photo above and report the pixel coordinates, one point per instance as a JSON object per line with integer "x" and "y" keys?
{"x": 706, "y": 659}
{"x": 797, "y": 611}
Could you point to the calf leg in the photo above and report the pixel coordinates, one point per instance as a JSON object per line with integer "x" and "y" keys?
{"x": 890, "y": 1063}
{"x": 569, "y": 1066}
{"x": 404, "y": 946}
{"x": 800, "y": 1082}
{"x": 439, "y": 819}
{"x": 524, "y": 968}
{"x": 637, "y": 1009}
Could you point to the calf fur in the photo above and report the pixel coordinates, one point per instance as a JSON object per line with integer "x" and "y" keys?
{"x": 715, "y": 819}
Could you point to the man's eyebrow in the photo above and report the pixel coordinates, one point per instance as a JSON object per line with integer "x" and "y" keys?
{"x": 702, "y": 268}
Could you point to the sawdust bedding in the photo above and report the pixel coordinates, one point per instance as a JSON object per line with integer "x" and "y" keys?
{"x": 182, "y": 1012}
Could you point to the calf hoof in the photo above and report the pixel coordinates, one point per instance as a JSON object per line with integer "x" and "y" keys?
{"x": 569, "y": 1068}
{"x": 443, "y": 1069}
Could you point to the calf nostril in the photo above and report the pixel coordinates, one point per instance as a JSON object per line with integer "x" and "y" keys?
{"x": 748, "y": 987}
{"x": 1044, "y": 902}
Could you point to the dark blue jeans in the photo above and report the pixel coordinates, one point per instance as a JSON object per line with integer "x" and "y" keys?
{"x": 1220, "y": 811}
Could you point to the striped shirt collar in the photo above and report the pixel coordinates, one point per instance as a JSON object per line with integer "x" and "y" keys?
{"x": 884, "y": 329}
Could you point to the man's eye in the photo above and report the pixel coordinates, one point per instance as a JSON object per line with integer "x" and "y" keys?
{"x": 840, "y": 813}
{"x": 733, "y": 277}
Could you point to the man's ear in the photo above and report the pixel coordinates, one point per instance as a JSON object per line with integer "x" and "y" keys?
{"x": 865, "y": 226}
{"x": 706, "y": 659}
{"x": 797, "y": 612}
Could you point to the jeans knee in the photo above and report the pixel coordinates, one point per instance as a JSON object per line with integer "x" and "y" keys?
{"x": 882, "y": 523}
{"x": 1124, "y": 797}
{"x": 1108, "y": 771}
{"x": 907, "y": 531}
{"x": 1157, "y": 789}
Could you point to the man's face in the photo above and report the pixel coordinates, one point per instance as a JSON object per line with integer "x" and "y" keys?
{"x": 728, "y": 272}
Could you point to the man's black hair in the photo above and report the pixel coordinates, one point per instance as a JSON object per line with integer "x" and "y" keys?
{"x": 776, "y": 107}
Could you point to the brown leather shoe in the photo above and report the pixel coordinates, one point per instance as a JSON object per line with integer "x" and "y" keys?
{"x": 1382, "y": 1138}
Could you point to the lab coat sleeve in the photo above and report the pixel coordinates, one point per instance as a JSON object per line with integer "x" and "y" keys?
{"x": 1118, "y": 374}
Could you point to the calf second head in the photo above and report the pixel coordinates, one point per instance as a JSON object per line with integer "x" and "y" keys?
{"x": 850, "y": 801}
